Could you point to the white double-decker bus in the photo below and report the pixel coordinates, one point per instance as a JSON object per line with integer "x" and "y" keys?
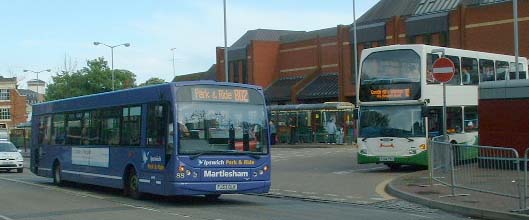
{"x": 396, "y": 90}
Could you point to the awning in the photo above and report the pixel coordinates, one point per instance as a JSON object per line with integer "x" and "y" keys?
{"x": 324, "y": 86}
{"x": 281, "y": 90}
{"x": 427, "y": 24}
{"x": 237, "y": 54}
{"x": 369, "y": 32}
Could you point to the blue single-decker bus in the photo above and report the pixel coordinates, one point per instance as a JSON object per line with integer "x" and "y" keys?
{"x": 186, "y": 138}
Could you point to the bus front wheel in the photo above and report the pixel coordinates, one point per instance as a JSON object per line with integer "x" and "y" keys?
{"x": 393, "y": 166}
{"x": 132, "y": 186}
{"x": 212, "y": 197}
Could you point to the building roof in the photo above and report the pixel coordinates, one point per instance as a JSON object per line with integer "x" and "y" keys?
{"x": 36, "y": 81}
{"x": 386, "y": 9}
{"x": 281, "y": 89}
{"x": 209, "y": 74}
{"x": 324, "y": 86}
{"x": 31, "y": 96}
{"x": 259, "y": 34}
{"x": 12, "y": 79}
{"x": 306, "y": 35}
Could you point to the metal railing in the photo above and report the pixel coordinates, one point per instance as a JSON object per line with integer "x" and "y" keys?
{"x": 491, "y": 170}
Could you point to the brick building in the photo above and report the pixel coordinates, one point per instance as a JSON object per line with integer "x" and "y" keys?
{"x": 317, "y": 66}
{"x": 13, "y": 105}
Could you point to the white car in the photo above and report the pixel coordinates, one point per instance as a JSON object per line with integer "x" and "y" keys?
{"x": 10, "y": 157}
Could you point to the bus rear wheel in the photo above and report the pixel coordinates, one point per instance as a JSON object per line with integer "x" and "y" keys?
{"x": 132, "y": 185}
{"x": 57, "y": 174}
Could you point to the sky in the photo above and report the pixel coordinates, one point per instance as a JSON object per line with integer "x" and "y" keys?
{"x": 59, "y": 34}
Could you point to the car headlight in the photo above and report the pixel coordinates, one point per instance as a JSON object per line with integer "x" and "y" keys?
{"x": 19, "y": 157}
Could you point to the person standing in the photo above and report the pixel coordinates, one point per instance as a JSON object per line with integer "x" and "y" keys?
{"x": 273, "y": 132}
{"x": 292, "y": 124}
{"x": 331, "y": 131}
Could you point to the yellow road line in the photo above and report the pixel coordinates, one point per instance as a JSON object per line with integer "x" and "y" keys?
{"x": 380, "y": 189}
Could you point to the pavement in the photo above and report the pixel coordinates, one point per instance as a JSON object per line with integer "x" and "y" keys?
{"x": 415, "y": 187}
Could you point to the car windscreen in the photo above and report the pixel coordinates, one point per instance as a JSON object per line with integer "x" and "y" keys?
{"x": 7, "y": 147}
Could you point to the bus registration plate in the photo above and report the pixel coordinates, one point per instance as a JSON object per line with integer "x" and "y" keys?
{"x": 226, "y": 187}
{"x": 386, "y": 159}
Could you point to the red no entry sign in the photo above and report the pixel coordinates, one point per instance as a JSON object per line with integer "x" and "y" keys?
{"x": 443, "y": 70}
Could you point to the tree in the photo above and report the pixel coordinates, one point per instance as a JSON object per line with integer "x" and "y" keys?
{"x": 96, "y": 77}
{"x": 153, "y": 81}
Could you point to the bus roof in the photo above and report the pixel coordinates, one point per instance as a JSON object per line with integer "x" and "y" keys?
{"x": 505, "y": 89}
{"x": 421, "y": 47}
{"x": 123, "y": 97}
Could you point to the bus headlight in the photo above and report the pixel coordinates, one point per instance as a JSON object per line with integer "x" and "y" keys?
{"x": 265, "y": 168}
{"x": 363, "y": 151}
{"x": 195, "y": 174}
{"x": 254, "y": 174}
{"x": 261, "y": 172}
{"x": 423, "y": 147}
{"x": 181, "y": 168}
{"x": 188, "y": 172}
{"x": 413, "y": 150}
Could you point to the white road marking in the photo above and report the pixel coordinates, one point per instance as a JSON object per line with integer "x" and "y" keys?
{"x": 84, "y": 195}
{"x": 5, "y": 218}
{"x": 290, "y": 191}
{"x": 333, "y": 195}
{"x": 309, "y": 193}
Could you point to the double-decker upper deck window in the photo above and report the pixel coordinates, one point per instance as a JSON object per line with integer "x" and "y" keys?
{"x": 469, "y": 71}
{"x": 502, "y": 69}
{"x": 486, "y": 70}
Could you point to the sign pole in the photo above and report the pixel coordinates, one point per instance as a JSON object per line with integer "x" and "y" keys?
{"x": 444, "y": 112}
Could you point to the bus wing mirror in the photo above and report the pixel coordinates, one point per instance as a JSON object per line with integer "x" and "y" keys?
{"x": 424, "y": 111}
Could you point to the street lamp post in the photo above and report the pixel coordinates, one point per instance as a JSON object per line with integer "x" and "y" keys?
{"x": 38, "y": 81}
{"x": 174, "y": 71}
{"x": 112, "y": 57}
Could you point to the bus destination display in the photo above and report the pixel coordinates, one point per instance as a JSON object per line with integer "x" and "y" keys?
{"x": 391, "y": 93}
{"x": 220, "y": 94}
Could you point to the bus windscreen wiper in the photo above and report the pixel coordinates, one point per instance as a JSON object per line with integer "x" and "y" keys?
{"x": 192, "y": 157}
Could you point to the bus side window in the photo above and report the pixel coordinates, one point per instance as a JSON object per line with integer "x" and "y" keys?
{"x": 522, "y": 73}
{"x": 456, "y": 80}
{"x": 454, "y": 120}
{"x": 502, "y": 68}
{"x": 486, "y": 69}
{"x": 131, "y": 126}
{"x": 429, "y": 68}
{"x": 110, "y": 126}
{"x": 512, "y": 72}
{"x": 435, "y": 121}
{"x": 44, "y": 129}
{"x": 58, "y": 132}
{"x": 471, "y": 122}
{"x": 469, "y": 72}
{"x": 156, "y": 124}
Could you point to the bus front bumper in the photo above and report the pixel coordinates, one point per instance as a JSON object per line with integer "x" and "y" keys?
{"x": 420, "y": 159}
{"x": 205, "y": 188}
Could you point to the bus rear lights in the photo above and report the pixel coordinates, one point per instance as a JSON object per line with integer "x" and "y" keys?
{"x": 181, "y": 168}
{"x": 423, "y": 147}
